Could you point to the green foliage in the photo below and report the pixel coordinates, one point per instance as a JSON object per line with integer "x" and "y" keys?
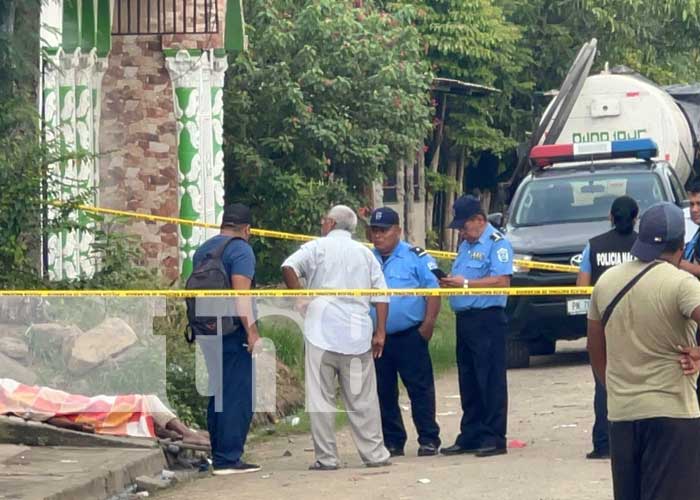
{"x": 471, "y": 41}
{"x": 657, "y": 39}
{"x": 328, "y": 96}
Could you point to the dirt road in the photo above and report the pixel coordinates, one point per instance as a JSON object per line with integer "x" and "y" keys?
{"x": 550, "y": 410}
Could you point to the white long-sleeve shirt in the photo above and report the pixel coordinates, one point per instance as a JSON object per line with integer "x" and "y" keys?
{"x": 338, "y": 324}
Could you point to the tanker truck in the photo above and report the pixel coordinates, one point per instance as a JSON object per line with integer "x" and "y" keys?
{"x": 621, "y": 105}
{"x": 622, "y": 135}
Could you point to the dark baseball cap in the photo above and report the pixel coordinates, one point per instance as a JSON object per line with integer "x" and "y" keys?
{"x": 464, "y": 208}
{"x": 384, "y": 217}
{"x": 660, "y": 223}
{"x": 236, "y": 213}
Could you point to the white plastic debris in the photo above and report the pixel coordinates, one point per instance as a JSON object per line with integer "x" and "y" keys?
{"x": 565, "y": 426}
{"x": 67, "y": 461}
{"x": 424, "y": 480}
{"x": 167, "y": 474}
{"x": 295, "y": 421}
{"x": 446, "y": 413}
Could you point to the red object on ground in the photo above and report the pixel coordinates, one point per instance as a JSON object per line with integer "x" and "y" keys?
{"x": 515, "y": 443}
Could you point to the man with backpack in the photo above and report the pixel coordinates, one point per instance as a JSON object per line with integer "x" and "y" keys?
{"x": 228, "y": 257}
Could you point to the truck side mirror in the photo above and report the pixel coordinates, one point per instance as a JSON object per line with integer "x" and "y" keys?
{"x": 496, "y": 219}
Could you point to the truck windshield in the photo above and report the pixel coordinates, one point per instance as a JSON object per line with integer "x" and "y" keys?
{"x": 556, "y": 201}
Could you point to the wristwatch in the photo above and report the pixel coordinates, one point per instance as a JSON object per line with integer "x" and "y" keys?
{"x": 466, "y": 283}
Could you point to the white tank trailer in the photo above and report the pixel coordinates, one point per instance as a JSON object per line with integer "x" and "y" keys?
{"x": 615, "y": 106}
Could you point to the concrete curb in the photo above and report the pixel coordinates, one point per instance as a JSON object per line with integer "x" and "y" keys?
{"x": 69, "y": 473}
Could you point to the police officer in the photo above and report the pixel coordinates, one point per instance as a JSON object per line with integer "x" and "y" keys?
{"x": 409, "y": 328}
{"x": 484, "y": 260}
{"x": 691, "y": 254}
{"x": 601, "y": 253}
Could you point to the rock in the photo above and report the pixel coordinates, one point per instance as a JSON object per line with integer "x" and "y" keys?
{"x": 290, "y": 397}
{"x": 287, "y": 453}
{"x": 9, "y": 368}
{"x": 92, "y": 348}
{"x": 12, "y": 330}
{"x": 152, "y": 484}
{"x": 50, "y": 339}
{"x": 23, "y": 310}
{"x": 14, "y": 347}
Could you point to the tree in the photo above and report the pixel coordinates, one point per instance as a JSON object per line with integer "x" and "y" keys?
{"x": 328, "y": 96}
{"x": 469, "y": 41}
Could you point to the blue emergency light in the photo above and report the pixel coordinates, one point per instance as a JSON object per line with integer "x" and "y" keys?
{"x": 546, "y": 155}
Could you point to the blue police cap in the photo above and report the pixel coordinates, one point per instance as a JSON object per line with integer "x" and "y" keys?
{"x": 384, "y": 217}
{"x": 464, "y": 208}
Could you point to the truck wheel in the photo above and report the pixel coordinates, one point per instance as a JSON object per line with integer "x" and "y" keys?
{"x": 517, "y": 354}
{"x": 543, "y": 347}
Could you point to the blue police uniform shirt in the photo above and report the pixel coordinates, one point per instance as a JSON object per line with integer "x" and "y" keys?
{"x": 490, "y": 255}
{"x": 406, "y": 267}
{"x": 689, "y": 253}
{"x": 238, "y": 257}
{"x": 585, "y": 266}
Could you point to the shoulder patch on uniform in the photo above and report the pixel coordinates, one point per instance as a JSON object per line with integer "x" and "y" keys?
{"x": 496, "y": 236}
{"x": 502, "y": 254}
{"x": 420, "y": 252}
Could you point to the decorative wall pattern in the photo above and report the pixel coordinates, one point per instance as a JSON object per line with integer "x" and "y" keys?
{"x": 197, "y": 79}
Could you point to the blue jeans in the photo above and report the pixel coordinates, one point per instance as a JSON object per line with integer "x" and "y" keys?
{"x": 228, "y": 428}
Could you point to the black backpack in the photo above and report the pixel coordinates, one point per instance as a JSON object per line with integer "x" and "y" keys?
{"x": 209, "y": 275}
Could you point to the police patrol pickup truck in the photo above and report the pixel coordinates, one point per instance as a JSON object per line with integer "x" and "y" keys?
{"x": 557, "y": 208}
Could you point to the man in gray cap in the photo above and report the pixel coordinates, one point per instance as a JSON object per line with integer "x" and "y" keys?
{"x": 641, "y": 312}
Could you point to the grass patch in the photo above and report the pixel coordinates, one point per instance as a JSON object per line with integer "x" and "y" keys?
{"x": 443, "y": 343}
{"x": 289, "y": 345}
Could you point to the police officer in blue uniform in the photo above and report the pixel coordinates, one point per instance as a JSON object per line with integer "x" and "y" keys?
{"x": 409, "y": 328}
{"x": 484, "y": 260}
{"x": 691, "y": 253}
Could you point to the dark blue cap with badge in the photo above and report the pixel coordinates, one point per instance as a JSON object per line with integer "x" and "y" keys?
{"x": 660, "y": 223}
{"x": 384, "y": 217}
{"x": 464, "y": 208}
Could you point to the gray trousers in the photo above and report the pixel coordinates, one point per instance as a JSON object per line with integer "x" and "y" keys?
{"x": 358, "y": 388}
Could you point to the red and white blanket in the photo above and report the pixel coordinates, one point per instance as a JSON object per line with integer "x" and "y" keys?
{"x": 126, "y": 415}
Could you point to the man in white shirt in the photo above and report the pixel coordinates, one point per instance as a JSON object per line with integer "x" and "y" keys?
{"x": 339, "y": 339}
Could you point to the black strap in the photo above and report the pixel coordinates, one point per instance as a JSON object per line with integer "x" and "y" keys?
{"x": 219, "y": 251}
{"x": 611, "y": 307}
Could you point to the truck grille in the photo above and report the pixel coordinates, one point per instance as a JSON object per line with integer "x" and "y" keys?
{"x": 554, "y": 258}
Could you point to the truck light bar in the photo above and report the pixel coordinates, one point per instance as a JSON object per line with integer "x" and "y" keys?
{"x": 544, "y": 156}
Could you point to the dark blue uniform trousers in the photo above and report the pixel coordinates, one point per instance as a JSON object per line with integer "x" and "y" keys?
{"x": 228, "y": 429}
{"x": 600, "y": 426}
{"x": 483, "y": 389}
{"x": 406, "y": 354}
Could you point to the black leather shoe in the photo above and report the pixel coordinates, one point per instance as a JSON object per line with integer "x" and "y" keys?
{"x": 395, "y": 452}
{"x": 598, "y": 455}
{"x": 456, "y": 449}
{"x": 427, "y": 450}
{"x": 490, "y": 451}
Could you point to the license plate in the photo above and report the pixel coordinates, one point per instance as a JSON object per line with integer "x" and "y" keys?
{"x": 577, "y": 307}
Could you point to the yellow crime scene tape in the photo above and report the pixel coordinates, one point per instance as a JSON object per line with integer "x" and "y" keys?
{"x": 264, "y": 233}
{"x": 429, "y": 292}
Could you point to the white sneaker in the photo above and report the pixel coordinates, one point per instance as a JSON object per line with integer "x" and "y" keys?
{"x": 240, "y": 468}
